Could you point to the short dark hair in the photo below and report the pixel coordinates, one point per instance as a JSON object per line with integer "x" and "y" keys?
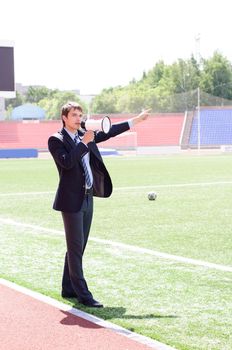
{"x": 65, "y": 109}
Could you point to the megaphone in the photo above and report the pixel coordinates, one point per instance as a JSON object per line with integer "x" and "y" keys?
{"x": 103, "y": 124}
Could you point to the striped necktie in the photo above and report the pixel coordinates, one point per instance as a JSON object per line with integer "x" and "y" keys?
{"x": 88, "y": 180}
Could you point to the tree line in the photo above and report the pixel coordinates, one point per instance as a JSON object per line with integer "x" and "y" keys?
{"x": 164, "y": 88}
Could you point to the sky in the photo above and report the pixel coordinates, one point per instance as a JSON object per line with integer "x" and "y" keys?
{"x": 90, "y": 45}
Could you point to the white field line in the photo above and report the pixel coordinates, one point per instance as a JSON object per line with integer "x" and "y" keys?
{"x": 216, "y": 183}
{"x": 127, "y": 188}
{"x": 127, "y": 247}
{"x": 25, "y": 193}
{"x": 84, "y": 315}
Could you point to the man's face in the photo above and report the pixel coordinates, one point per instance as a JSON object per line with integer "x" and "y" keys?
{"x": 73, "y": 120}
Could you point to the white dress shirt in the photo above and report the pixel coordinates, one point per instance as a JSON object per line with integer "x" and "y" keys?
{"x": 86, "y": 156}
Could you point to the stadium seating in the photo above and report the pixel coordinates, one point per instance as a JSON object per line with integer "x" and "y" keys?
{"x": 158, "y": 130}
{"x": 215, "y": 128}
{"x": 29, "y": 134}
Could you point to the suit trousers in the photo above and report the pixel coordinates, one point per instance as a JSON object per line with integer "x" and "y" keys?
{"x": 77, "y": 227}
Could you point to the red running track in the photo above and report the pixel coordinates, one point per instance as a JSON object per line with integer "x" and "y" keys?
{"x": 30, "y": 324}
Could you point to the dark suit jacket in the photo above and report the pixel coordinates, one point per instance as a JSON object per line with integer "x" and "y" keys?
{"x": 67, "y": 156}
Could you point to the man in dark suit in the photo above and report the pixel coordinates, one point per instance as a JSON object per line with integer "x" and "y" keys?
{"x": 82, "y": 175}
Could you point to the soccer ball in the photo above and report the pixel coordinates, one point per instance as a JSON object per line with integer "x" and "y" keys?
{"x": 152, "y": 196}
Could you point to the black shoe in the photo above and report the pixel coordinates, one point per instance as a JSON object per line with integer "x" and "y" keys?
{"x": 91, "y": 303}
{"x": 68, "y": 295}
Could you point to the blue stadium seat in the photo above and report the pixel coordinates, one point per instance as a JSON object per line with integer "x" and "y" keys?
{"x": 215, "y": 128}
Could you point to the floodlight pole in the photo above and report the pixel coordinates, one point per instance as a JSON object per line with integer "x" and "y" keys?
{"x": 198, "y": 58}
{"x": 198, "y": 121}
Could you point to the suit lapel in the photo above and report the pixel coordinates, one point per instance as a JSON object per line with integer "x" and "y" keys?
{"x": 69, "y": 143}
{"x": 67, "y": 139}
{"x": 94, "y": 150}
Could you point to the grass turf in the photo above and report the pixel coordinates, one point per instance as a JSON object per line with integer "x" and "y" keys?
{"x": 186, "y": 306}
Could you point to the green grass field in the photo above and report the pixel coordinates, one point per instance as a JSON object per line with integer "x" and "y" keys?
{"x": 180, "y": 304}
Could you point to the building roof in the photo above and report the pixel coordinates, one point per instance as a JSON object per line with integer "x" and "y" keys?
{"x": 28, "y": 111}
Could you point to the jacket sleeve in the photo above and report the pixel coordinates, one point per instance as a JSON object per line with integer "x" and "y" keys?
{"x": 66, "y": 159}
{"x": 116, "y": 129}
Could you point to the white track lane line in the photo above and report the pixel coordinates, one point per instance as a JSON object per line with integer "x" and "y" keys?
{"x": 108, "y": 325}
